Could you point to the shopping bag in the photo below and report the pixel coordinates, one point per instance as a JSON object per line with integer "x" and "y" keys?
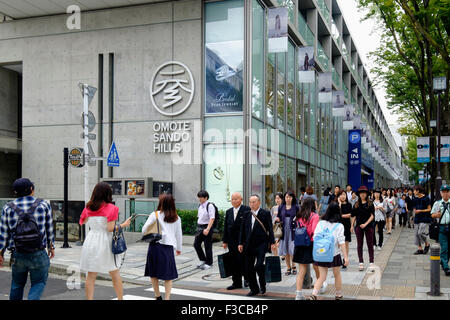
{"x": 273, "y": 269}
{"x": 225, "y": 264}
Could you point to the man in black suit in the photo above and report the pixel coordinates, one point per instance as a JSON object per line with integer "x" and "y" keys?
{"x": 254, "y": 241}
{"x": 233, "y": 220}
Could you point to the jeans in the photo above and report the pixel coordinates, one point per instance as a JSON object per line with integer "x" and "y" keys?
{"x": 368, "y": 231}
{"x": 37, "y": 264}
{"x": 443, "y": 241}
{"x": 380, "y": 225}
{"x": 206, "y": 256}
{"x": 403, "y": 218}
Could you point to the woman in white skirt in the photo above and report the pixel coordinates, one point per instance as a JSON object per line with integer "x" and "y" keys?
{"x": 160, "y": 256}
{"x": 100, "y": 216}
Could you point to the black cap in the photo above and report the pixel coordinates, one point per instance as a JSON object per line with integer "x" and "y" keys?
{"x": 22, "y": 187}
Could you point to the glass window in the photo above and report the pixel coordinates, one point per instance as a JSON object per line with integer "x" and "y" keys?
{"x": 258, "y": 60}
{"x": 216, "y": 129}
{"x": 290, "y": 174}
{"x": 257, "y": 177}
{"x": 224, "y": 56}
{"x": 270, "y": 89}
{"x": 290, "y": 97}
{"x": 269, "y": 197}
{"x": 224, "y": 172}
{"x": 306, "y": 112}
{"x": 281, "y": 91}
{"x": 281, "y": 175}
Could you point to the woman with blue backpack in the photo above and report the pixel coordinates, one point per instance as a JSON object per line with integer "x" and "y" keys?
{"x": 303, "y": 227}
{"x": 323, "y": 204}
{"x": 328, "y": 245}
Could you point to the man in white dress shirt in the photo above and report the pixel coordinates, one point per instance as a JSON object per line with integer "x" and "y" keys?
{"x": 206, "y": 215}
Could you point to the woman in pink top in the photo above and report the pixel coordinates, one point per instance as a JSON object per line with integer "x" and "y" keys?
{"x": 303, "y": 255}
{"x": 100, "y": 216}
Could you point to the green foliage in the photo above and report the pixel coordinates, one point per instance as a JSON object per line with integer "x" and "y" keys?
{"x": 189, "y": 221}
{"x": 411, "y": 159}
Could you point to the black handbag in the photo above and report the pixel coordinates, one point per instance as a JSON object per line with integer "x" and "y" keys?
{"x": 154, "y": 233}
{"x": 435, "y": 226}
{"x": 225, "y": 263}
{"x": 273, "y": 269}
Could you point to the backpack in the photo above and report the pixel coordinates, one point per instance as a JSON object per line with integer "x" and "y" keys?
{"x": 216, "y": 215}
{"x": 301, "y": 236}
{"x": 26, "y": 235}
{"x": 323, "y": 245}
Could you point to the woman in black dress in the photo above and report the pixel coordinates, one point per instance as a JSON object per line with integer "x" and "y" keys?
{"x": 346, "y": 213}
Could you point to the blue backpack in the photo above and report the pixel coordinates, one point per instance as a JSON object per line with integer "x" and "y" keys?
{"x": 323, "y": 247}
{"x": 301, "y": 236}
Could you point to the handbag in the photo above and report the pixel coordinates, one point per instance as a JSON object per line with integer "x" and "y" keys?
{"x": 277, "y": 230}
{"x": 435, "y": 225}
{"x": 225, "y": 262}
{"x": 119, "y": 245}
{"x": 273, "y": 269}
{"x": 153, "y": 233}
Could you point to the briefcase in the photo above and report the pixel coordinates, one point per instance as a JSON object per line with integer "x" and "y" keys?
{"x": 225, "y": 264}
{"x": 273, "y": 269}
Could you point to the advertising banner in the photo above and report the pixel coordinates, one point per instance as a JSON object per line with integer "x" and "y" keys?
{"x": 338, "y": 104}
{"x": 306, "y": 63}
{"x": 278, "y": 29}
{"x": 423, "y": 149}
{"x": 445, "y": 148}
{"x": 325, "y": 85}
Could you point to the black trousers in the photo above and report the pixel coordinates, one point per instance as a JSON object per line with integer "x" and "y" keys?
{"x": 403, "y": 218}
{"x": 252, "y": 268}
{"x": 238, "y": 270}
{"x": 380, "y": 225}
{"x": 207, "y": 255}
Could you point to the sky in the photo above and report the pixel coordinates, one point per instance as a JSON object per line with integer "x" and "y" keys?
{"x": 367, "y": 39}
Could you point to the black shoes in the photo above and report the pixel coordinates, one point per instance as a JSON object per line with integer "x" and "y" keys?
{"x": 245, "y": 283}
{"x": 159, "y": 298}
{"x": 447, "y": 272}
{"x": 263, "y": 289}
{"x": 252, "y": 293}
{"x": 427, "y": 248}
{"x": 232, "y": 287}
{"x": 418, "y": 252}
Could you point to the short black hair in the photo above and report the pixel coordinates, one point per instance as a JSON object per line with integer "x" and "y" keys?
{"x": 337, "y": 186}
{"x": 203, "y": 194}
{"x": 303, "y": 189}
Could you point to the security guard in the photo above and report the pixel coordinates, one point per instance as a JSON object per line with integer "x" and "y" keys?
{"x": 441, "y": 210}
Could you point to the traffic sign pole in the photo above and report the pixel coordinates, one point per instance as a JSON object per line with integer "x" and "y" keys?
{"x": 86, "y": 150}
{"x": 66, "y": 197}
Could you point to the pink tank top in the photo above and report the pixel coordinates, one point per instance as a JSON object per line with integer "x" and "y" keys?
{"x": 108, "y": 210}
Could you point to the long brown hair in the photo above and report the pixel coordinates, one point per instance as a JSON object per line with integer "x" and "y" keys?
{"x": 167, "y": 205}
{"x": 359, "y": 202}
{"x": 307, "y": 207}
{"x": 102, "y": 193}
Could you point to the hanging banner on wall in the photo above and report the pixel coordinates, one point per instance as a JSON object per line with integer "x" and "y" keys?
{"x": 423, "y": 149}
{"x": 354, "y": 159}
{"x": 445, "y": 148}
{"x": 347, "y": 123}
{"x": 278, "y": 29}
{"x": 325, "y": 84}
{"x": 306, "y": 63}
{"x": 338, "y": 104}
{"x": 356, "y": 122}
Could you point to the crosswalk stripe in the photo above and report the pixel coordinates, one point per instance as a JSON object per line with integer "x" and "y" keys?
{"x": 207, "y": 295}
{"x": 133, "y": 297}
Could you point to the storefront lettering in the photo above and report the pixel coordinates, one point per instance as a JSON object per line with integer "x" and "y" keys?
{"x": 168, "y": 136}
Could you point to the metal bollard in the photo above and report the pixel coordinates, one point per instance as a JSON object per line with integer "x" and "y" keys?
{"x": 435, "y": 258}
{"x": 307, "y": 281}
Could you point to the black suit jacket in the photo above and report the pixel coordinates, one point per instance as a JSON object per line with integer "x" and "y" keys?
{"x": 232, "y": 228}
{"x": 256, "y": 238}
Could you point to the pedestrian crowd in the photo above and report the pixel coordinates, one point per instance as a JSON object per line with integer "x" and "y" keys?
{"x": 304, "y": 232}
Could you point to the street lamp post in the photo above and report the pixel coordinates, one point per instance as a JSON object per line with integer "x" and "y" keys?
{"x": 439, "y": 86}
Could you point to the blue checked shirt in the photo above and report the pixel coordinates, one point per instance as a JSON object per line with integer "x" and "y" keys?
{"x": 42, "y": 214}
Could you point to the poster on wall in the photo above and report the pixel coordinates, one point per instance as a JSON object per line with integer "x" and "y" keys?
{"x": 135, "y": 187}
{"x": 423, "y": 149}
{"x": 224, "y": 57}
{"x": 356, "y": 122}
{"x": 325, "y": 83}
{"x": 349, "y": 116}
{"x": 306, "y": 63}
{"x": 338, "y": 104}
{"x": 278, "y": 29}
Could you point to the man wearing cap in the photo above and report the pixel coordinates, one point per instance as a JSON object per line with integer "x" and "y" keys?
{"x": 27, "y": 257}
{"x": 441, "y": 211}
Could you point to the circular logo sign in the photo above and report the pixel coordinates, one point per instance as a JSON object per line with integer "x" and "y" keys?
{"x": 76, "y": 157}
{"x": 354, "y": 137}
{"x": 171, "y": 85}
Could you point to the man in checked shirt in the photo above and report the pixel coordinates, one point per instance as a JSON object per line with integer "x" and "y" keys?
{"x": 27, "y": 257}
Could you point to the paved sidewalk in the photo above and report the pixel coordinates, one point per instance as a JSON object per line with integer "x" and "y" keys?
{"x": 399, "y": 274}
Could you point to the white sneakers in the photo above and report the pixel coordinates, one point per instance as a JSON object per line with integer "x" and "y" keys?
{"x": 371, "y": 268}
{"x": 324, "y": 288}
{"x": 200, "y": 265}
{"x": 379, "y": 248}
{"x": 205, "y": 267}
{"x": 299, "y": 295}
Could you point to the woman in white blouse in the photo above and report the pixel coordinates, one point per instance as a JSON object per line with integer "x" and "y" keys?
{"x": 380, "y": 218}
{"x": 160, "y": 257}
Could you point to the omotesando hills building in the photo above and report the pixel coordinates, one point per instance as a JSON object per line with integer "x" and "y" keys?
{"x": 189, "y": 93}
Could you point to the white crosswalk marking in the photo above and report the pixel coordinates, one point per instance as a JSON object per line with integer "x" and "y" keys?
{"x": 207, "y": 295}
{"x": 132, "y": 297}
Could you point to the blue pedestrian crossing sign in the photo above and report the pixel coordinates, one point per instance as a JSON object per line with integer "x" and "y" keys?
{"x": 113, "y": 156}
